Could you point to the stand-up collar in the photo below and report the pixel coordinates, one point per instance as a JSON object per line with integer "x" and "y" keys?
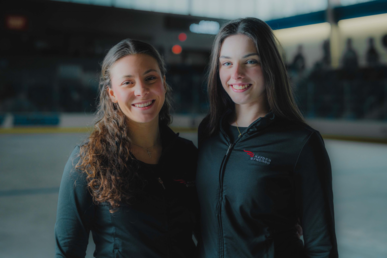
{"x": 261, "y": 123}
{"x": 257, "y": 125}
{"x": 168, "y": 136}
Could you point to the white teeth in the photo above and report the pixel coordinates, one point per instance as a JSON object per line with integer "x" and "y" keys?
{"x": 143, "y": 104}
{"x": 240, "y": 87}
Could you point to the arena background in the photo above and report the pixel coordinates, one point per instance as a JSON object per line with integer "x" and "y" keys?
{"x": 50, "y": 56}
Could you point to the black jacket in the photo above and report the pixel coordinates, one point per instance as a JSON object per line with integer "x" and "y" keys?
{"x": 160, "y": 225}
{"x": 253, "y": 191}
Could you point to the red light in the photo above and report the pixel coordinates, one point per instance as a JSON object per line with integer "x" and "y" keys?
{"x": 182, "y": 37}
{"x": 176, "y": 49}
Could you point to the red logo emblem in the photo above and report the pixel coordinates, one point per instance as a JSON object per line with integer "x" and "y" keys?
{"x": 251, "y": 154}
{"x": 181, "y": 181}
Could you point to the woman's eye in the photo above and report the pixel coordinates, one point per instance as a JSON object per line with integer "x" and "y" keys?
{"x": 126, "y": 83}
{"x": 252, "y": 61}
{"x": 150, "y": 78}
{"x": 226, "y": 64}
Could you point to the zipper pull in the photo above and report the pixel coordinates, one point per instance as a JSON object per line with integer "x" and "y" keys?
{"x": 229, "y": 147}
{"x": 161, "y": 182}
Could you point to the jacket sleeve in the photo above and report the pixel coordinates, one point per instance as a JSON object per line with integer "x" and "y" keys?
{"x": 74, "y": 213}
{"x": 314, "y": 199}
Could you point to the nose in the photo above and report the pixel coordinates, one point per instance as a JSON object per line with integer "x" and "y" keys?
{"x": 237, "y": 72}
{"x": 141, "y": 89}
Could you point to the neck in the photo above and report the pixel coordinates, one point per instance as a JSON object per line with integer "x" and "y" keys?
{"x": 247, "y": 113}
{"x": 145, "y": 135}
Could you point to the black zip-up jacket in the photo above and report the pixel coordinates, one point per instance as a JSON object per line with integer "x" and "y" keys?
{"x": 159, "y": 225}
{"x": 253, "y": 191}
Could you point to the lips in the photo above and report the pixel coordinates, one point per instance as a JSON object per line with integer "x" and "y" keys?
{"x": 240, "y": 87}
{"x": 144, "y": 104}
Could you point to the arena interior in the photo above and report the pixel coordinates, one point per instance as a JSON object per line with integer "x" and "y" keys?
{"x": 335, "y": 52}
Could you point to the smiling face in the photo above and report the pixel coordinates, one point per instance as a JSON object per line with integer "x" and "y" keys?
{"x": 240, "y": 70}
{"x": 138, "y": 87}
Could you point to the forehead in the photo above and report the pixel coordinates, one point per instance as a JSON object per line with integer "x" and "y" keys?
{"x": 134, "y": 64}
{"x": 237, "y": 45}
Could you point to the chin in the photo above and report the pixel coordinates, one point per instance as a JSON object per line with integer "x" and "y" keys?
{"x": 240, "y": 101}
{"x": 143, "y": 119}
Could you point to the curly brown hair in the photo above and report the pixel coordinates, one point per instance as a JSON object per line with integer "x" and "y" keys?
{"x": 112, "y": 175}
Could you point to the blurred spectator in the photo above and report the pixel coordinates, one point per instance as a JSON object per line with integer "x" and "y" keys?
{"x": 298, "y": 63}
{"x": 326, "y": 49}
{"x": 384, "y": 41}
{"x": 372, "y": 56}
{"x": 325, "y": 62}
{"x": 350, "y": 60}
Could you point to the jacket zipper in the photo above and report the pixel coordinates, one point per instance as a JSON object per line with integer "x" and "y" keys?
{"x": 222, "y": 169}
{"x": 221, "y": 174}
{"x": 161, "y": 183}
{"x": 166, "y": 218}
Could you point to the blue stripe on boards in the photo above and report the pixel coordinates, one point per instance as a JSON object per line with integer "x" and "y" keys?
{"x": 48, "y": 190}
{"x": 36, "y": 119}
{"x": 2, "y": 118}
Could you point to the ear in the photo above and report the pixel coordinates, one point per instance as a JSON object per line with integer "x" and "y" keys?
{"x": 165, "y": 83}
{"x": 111, "y": 94}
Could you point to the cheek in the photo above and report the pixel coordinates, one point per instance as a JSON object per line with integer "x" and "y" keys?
{"x": 123, "y": 94}
{"x": 224, "y": 77}
{"x": 159, "y": 89}
{"x": 255, "y": 73}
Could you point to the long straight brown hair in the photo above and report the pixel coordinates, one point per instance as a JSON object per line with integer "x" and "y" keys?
{"x": 278, "y": 92}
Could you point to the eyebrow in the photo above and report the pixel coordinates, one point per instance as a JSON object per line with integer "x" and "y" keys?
{"x": 148, "y": 71}
{"x": 251, "y": 54}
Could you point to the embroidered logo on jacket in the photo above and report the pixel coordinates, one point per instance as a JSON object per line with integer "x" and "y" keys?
{"x": 184, "y": 182}
{"x": 258, "y": 158}
{"x": 181, "y": 181}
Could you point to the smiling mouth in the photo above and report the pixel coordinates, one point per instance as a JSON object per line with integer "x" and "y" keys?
{"x": 145, "y": 104}
{"x": 240, "y": 86}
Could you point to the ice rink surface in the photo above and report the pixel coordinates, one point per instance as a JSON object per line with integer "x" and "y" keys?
{"x": 31, "y": 167}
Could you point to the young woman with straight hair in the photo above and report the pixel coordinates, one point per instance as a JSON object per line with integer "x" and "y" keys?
{"x": 132, "y": 182}
{"x": 262, "y": 171}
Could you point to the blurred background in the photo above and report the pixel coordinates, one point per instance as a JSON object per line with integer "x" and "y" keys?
{"x": 50, "y": 56}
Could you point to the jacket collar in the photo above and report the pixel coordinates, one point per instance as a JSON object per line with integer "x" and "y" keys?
{"x": 261, "y": 123}
{"x": 257, "y": 125}
{"x": 168, "y": 140}
{"x": 168, "y": 137}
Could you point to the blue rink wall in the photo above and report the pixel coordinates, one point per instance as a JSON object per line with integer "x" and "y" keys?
{"x": 363, "y": 130}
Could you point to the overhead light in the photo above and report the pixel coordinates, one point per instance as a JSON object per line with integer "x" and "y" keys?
{"x": 205, "y": 27}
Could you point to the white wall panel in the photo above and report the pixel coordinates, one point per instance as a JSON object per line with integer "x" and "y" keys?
{"x": 226, "y": 9}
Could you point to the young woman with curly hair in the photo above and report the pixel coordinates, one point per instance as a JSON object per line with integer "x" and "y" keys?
{"x": 132, "y": 182}
{"x": 262, "y": 171}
